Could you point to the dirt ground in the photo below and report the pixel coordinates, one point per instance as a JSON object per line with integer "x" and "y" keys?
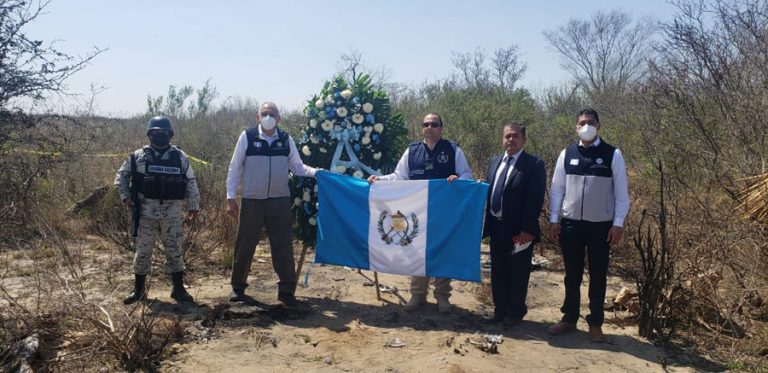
{"x": 341, "y": 326}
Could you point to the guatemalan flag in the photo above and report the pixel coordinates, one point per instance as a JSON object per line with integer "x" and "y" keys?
{"x": 425, "y": 227}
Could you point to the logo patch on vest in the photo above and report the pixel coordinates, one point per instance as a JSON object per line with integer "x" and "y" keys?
{"x": 442, "y": 158}
{"x": 164, "y": 170}
{"x": 599, "y": 161}
{"x": 257, "y": 144}
{"x": 279, "y": 144}
{"x": 575, "y": 162}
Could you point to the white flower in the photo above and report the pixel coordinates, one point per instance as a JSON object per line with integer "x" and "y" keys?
{"x": 313, "y": 139}
{"x": 329, "y": 99}
{"x": 306, "y": 151}
{"x": 312, "y": 221}
{"x": 367, "y": 129}
{"x": 377, "y": 156}
{"x": 349, "y": 126}
{"x": 358, "y": 174}
{"x": 327, "y": 125}
{"x": 322, "y": 150}
{"x": 342, "y": 112}
{"x": 319, "y": 103}
{"x": 337, "y": 128}
{"x": 346, "y": 94}
{"x": 307, "y": 197}
{"x": 365, "y": 140}
{"x": 315, "y": 188}
{"x": 313, "y": 123}
{"x": 378, "y": 127}
{"x": 341, "y": 169}
{"x": 321, "y": 115}
{"x": 367, "y": 107}
{"x": 358, "y": 118}
{"x": 297, "y": 202}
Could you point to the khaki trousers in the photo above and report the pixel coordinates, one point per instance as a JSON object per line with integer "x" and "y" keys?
{"x": 420, "y": 287}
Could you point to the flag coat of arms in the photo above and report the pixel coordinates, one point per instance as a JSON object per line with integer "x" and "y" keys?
{"x": 424, "y": 227}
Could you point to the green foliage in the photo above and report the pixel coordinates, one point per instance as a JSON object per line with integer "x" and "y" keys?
{"x": 475, "y": 117}
{"x": 354, "y": 110}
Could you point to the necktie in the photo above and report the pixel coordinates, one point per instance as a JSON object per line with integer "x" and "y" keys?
{"x": 498, "y": 188}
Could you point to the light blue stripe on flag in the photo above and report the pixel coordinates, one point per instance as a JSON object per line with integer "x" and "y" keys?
{"x": 428, "y": 227}
{"x": 343, "y": 211}
{"x": 455, "y": 228}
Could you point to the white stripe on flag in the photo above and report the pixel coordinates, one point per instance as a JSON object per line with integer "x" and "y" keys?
{"x": 385, "y": 200}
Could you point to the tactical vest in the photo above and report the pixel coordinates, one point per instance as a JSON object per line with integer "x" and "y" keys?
{"x": 163, "y": 179}
{"x": 589, "y": 183}
{"x": 438, "y": 163}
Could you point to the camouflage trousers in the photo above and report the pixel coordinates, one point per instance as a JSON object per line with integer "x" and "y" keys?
{"x": 170, "y": 232}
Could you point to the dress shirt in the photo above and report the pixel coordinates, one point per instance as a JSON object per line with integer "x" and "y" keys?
{"x": 506, "y": 156}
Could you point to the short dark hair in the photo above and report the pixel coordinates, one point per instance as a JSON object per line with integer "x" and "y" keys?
{"x": 519, "y": 125}
{"x": 588, "y": 111}
{"x": 439, "y": 118}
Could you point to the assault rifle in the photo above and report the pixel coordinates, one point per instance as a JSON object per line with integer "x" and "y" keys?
{"x": 135, "y": 202}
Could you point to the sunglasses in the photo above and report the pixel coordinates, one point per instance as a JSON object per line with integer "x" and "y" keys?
{"x": 431, "y": 124}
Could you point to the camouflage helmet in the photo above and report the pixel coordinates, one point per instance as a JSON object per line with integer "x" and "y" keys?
{"x": 159, "y": 123}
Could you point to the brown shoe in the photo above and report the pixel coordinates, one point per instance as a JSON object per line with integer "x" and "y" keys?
{"x": 596, "y": 334}
{"x": 561, "y": 328}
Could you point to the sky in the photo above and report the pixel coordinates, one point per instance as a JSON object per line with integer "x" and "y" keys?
{"x": 284, "y": 51}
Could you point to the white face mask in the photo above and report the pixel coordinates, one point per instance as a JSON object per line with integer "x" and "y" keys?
{"x": 587, "y": 132}
{"x": 268, "y": 123}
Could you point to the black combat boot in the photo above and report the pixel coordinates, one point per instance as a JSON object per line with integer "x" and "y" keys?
{"x": 139, "y": 290}
{"x": 179, "y": 293}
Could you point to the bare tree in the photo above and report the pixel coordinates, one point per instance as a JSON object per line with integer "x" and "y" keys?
{"x": 506, "y": 69}
{"x": 606, "y": 52}
{"x": 28, "y": 68}
{"x": 507, "y": 66}
{"x": 351, "y": 64}
{"x": 471, "y": 66}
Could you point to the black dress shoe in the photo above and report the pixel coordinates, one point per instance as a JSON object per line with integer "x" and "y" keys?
{"x": 237, "y": 296}
{"x": 511, "y": 322}
{"x": 287, "y": 299}
{"x": 497, "y": 318}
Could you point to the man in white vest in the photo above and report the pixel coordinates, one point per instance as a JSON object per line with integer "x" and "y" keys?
{"x": 589, "y": 200}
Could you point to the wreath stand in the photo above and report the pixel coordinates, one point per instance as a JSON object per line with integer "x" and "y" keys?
{"x": 359, "y": 271}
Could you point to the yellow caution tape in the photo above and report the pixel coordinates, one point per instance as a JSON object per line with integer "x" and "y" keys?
{"x": 57, "y": 154}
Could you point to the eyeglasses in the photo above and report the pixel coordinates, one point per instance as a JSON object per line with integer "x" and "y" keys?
{"x": 431, "y": 124}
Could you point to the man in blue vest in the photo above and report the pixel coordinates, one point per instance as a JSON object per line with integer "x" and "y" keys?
{"x": 432, "y": 158}
{"x": 263, "y": 157}
{"x": 589, "y": 200}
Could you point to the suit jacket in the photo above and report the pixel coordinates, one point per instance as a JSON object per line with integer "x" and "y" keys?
{"x": 522, "y": 199}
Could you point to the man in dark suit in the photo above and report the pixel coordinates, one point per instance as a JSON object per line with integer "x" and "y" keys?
{"x": 518, "y": 181}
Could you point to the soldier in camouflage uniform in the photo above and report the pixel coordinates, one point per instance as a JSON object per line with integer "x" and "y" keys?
{"x": 164, "y": 178}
